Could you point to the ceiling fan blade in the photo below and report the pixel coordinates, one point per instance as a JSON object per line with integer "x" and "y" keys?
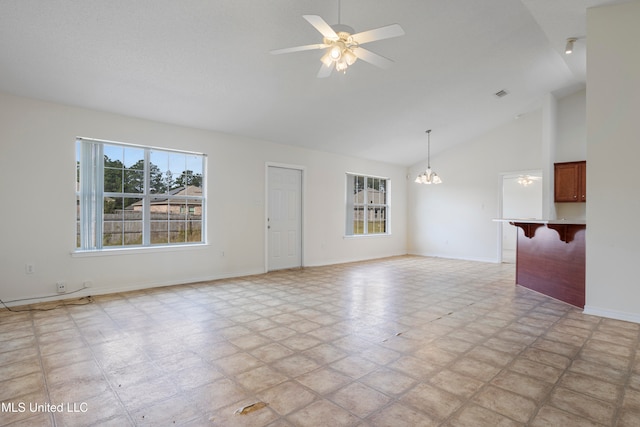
{"x": 393, "y": 30}
{"x": 320, "y": 25}
{"x": 299, "y": 48}
{"x": 372, "y": 58}
{"x": 325, "y": 71}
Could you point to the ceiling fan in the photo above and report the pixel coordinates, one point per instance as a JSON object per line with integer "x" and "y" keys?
{"x": 343, "y": 47}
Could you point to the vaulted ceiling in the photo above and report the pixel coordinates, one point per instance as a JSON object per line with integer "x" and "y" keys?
{"x": 206, "y": 64}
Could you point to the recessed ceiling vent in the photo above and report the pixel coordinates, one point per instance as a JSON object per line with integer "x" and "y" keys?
{"x": 501, "y": 93}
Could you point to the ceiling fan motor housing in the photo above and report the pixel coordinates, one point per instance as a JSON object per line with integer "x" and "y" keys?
{"x": 341, "y": 28}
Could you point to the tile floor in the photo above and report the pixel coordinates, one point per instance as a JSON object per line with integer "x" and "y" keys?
{"x": 403, "y": 341}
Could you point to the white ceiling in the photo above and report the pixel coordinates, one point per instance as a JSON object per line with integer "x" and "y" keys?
{"x": 206, "y": 64}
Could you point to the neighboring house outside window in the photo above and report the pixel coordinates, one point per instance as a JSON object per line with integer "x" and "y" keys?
{"x": 130, "y": 195}
{"x": 367, "y": 205}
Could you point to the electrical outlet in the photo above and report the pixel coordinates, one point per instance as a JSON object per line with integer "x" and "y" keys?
{"x": 29, "y": 268}
{"x": 61, "y": 287}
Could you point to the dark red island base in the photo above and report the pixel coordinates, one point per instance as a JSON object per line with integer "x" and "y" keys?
{"x": 550, "y": 259}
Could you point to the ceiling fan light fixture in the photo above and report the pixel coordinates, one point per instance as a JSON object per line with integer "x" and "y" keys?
{"x": 326, "y": 59}
{"x": 336, "y": 51}
{"x": 349, "y": 56}
{"x": 340, "y": 56}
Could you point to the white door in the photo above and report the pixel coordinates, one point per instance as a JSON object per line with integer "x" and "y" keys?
{"x": 284, "y": 220}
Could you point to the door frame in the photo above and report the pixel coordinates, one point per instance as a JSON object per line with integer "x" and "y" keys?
{"x": 302, "y": 170}
{"x": 503, "y": 175}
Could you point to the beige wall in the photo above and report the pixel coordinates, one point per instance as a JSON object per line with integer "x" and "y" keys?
{"x": 37, "y": 169}
{"x": 454, "y": 219}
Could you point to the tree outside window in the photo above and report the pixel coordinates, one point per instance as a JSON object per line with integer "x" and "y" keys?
{"x": 130, "y": 195}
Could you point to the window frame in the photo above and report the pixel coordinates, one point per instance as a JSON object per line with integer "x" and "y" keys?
{"x": 350, "y": 205}
{"x": 91, "y": 194}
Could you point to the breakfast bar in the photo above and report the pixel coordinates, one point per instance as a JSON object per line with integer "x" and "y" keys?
{"x": 550, "y": 258}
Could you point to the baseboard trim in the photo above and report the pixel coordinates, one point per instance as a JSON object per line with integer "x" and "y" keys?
{"x": 101, "y": 290}
{"x": 612, "y": 314}
{"x": 447, "y": 256}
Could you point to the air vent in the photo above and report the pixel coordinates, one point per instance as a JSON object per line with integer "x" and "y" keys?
{"x": 501, "y": 93}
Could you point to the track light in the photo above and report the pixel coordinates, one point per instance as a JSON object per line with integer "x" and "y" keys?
{"x": 569, "y": 47}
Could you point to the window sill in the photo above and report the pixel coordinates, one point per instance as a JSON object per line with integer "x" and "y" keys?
{"x": 359, "y": 236}
{"x": 138, "y": 250}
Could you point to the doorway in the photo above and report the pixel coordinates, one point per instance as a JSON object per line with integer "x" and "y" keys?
{"x": 284, "y": 218}
{"x": 521, "y": 198}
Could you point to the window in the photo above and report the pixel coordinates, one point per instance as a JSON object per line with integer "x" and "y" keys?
{"x": 129, "y": 195}
{"x": 367, "y": 205}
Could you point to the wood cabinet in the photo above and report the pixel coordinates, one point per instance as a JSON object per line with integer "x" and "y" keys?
{"x": 570, "y": 182}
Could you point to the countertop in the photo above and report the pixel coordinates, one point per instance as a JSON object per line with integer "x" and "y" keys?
{"x": 543, "y": 221}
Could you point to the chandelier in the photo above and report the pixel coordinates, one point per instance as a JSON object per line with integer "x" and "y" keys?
{"x": 428, "y": 176}
{"x": 525, "y": 180}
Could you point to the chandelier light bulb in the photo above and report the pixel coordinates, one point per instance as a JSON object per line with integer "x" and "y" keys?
{"x": 525, "y": 181}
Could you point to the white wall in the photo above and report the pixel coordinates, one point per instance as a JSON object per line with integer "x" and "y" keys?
{"x": 571, "y": 144}
{"x": 613, "y": 151}
{"x": 37, "y": 214}
{"x": 454, "y": 219}
{"x": 571, "y": 138}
